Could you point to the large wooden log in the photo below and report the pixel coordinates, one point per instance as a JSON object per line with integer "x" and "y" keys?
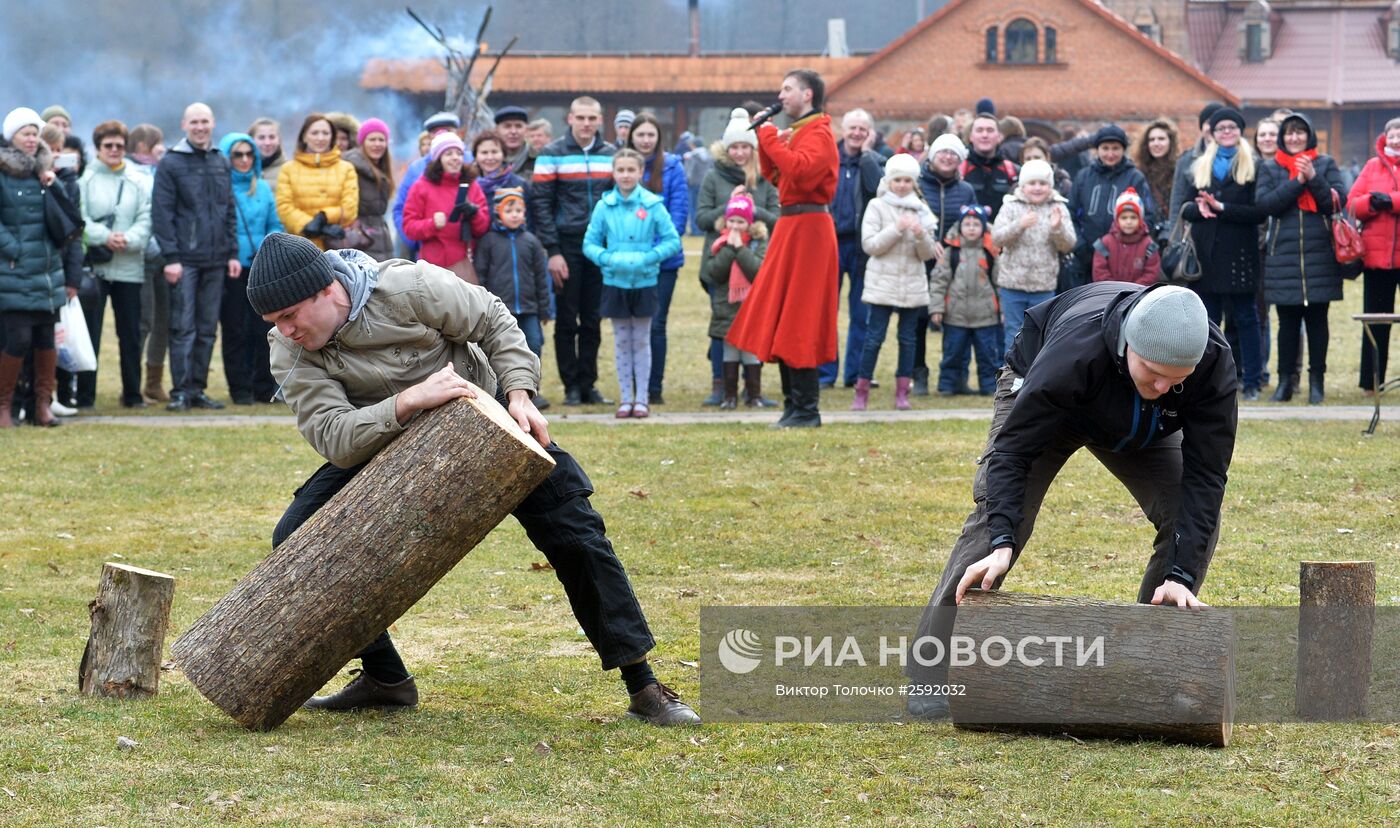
{"x": 361, "y": 561}
{"x": 129, "y": 618}
{"x": 1167, "y": 673}
{"x": 1336, "y": 623}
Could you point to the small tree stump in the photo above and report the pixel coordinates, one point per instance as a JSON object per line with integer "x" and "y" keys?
{"x": 1336, "y": 621}
{"x": 361, "y": 561}
{"x": 129, "y": 618}
{"x": 1168, "y": 673}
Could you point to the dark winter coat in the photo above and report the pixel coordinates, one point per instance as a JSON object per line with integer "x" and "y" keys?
{"x": 192, "y": 208}
{"x": 512, "y": 264}
{"x": 1227, "y": 246}
{"x": 374, "y": 205}
{"x": 1091, "y": 202}
{"x": 749, "y": 258}
{"x": 675, "y": 192}
{"x": 1076, "y": 384}
{"x": 1300, "y": 266}
{"x": 715, "y": 189}
{"x": 1118, "y": 258}
{"x": 946, "y": 197}
{"x": 567, "y": 182}
{"x": 992, "y": 179}
{"x": 31, "y": 267}
{"x": 1380, "y": 230}
{"x": 857, "y": 182}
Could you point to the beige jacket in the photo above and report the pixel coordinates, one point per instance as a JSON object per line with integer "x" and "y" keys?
{"x": 895, "y": 275}
{"x": 419, "y": 318}
{"x": 1030, "y": 258}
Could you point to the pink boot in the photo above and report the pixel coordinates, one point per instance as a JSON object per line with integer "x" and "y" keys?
{"x": 901, "y": 392}
{"x": 862, "y": 395}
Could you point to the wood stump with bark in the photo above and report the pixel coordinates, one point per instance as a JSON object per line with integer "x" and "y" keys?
{"x": 129, "y": 618}
{"x": 1166, "y": 673}
{"x": 361, "y": 561}
{"x": 1336, "y": 624}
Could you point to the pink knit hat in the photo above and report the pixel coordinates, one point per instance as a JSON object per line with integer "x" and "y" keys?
{"x": 741, "y": 206}
{"x": 372, "y": 125}
{"x": 444, "y": 141}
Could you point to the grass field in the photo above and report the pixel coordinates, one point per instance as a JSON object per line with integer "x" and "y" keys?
{"x": 519, "y": 727}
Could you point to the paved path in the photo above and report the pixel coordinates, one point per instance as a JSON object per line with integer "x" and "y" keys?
{"x": 1338, "y": 413}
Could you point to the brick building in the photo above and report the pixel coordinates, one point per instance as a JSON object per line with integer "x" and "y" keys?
{"x": 1056, "y": 64}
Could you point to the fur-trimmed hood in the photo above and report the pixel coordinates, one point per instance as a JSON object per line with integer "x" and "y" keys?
{"x": 757, "y": 229}
{"x": 16, "y": 164}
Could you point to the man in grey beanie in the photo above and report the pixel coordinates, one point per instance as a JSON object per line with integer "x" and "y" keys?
{"x": 356, "y": 396}
{"x": 1143, "y": 380}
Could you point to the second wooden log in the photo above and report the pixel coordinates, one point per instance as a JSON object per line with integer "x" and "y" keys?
{"x": 129, "y": 619}
{"x": 1336, "y": 622}
{"x": 361, "y": 561}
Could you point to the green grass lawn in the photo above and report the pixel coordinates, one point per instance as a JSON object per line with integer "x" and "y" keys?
{"x": 688, "y": 368}
{"x": 519, "y": 727}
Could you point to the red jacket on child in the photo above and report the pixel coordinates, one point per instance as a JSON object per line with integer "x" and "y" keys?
{"x": 442, "y": 246}
{"x": 1120, "y": 258}
{"x": 1380, "y": 231}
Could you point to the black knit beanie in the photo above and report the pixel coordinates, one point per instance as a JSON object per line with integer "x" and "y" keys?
{"x": 1209, "y": 110}
{"x": 286, "y": 270}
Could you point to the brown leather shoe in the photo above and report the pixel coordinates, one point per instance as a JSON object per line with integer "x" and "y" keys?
{"x": 660, "y": 705}
{"x": 364, "y": 692}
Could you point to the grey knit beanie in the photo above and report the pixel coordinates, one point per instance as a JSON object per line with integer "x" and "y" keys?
{"x": 286, "y": 270}
{"x": 1168, "y": 325}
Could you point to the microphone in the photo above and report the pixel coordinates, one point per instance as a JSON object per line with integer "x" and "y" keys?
{"x": 761, "y": 118}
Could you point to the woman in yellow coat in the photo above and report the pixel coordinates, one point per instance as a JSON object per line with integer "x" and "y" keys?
{"x": 318, "y": 194}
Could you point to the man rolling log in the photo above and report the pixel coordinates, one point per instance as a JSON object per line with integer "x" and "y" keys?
{"x": 360, "y": 347}
{"x": 1146, "y": 382}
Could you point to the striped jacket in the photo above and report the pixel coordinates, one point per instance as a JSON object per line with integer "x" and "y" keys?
{"x": 568, "y": 181}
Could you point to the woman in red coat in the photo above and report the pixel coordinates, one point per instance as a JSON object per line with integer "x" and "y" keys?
{"x": 789, "y": 316}
{"x": 1375, "y": 199}
{"x": 445, "y": 212}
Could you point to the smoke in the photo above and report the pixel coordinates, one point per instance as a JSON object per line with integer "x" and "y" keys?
{"x": 144, "y": 62}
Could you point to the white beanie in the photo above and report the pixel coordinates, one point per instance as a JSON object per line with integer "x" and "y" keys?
{"x": 737, "y": 130}
{"x": 1038, "y": 170}
{"x": 902, "y": 164}
{"x": 19, "y": 118}
{"x": 948, "y": 141}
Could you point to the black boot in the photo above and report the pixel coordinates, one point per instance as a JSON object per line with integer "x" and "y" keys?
{"x": 921, "y": 380}
{"x": 806, "y": 395}
{"x": 731, "y": 387}
{"x": 363, "y": 692}
{"x": 1287, "y": 384}
{"x": 785, "y": 377}
{"x": 1315, "y": 390}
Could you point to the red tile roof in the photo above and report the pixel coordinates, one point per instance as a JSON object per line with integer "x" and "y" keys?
{"x": 1321, "y": 57}
{"x": 675, "y": 74}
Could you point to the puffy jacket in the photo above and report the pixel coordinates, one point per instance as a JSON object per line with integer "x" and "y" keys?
{"x": 945, "y": 196}
{"x": 314, "y": 183}
{"x": 1092, "y": 198}
{"x": 418, "y": 319}
{"x": 31, "y": 268}
{"x": 257, "y": 212}
{"x": 1300, "y": 266}
{"x": 567, "y": 182}
{"x": 443, "y": 246}
{"x": 1120, "y": 259}
{"x": 1030, "y": 258}
{"x": 992, "y": 179}
{"x": 1380, "y": 231}
{"x": 962, "y": 287}
{"x": 895, "y": 274}
{"x": 1076, "y": 385}
{"x": 715, "y": 189}
{"x": 629, "y": 238}
{"x": 374, "y": 204}
{"x": 130, "y": 216}
{"x": 192, "y": 211}
{"x": 675, "y": 191}
{"x": 750, "y": 260}
{"x": 512, "y": 265}
{"x": 1227, "y": 246}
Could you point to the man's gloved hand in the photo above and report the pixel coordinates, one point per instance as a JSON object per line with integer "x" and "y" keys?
{"x": 465, "y": 211}
{"x": 315, "y": 227}
{"x": 1381, "y": 203}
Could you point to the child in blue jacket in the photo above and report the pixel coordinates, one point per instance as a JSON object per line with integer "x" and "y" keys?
{"x": 629, "y": 235}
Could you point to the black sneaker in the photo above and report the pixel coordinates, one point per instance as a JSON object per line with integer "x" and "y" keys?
{"x": 596, "y": 398}
{"x": 203, "y": 400}
{"x": 572, "y": 397}
{"x": 178, "y": 403}
{"x": 364, "y": 692}
{"x": 660, "y": 705}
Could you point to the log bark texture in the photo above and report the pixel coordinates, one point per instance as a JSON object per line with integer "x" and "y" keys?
{"x": 1168, "y": 673}
{"x": 361, "y": 561}
{"x": 129, "y": 618}
{"x": 1336, "y": 624}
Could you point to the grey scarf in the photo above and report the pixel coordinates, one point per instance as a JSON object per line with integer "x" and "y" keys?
{"x": 358, "y": 272}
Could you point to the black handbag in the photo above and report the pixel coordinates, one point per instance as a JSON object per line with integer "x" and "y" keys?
{"x": 1180, "y": 266}
{"x": 100, "y": 254}
{"x": 62, "y": 219}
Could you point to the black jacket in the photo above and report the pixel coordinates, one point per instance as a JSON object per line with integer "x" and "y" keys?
{"x": 1300, "y": 266}
{"x": 858, "y": 180}
{"x": 1228, "y": 245}
{"x": 1076, "y": 384}
{"x": 1096, "y": 189}
{"x": 566, "y": 183}
{"x": 992, "y": 179}
{"x": 192, "y": 209}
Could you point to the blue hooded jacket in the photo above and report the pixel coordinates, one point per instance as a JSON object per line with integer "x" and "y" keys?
{"x": 257, "y": 213}
{"x": 629, "y": 238}
{"x": 675, "y": 191}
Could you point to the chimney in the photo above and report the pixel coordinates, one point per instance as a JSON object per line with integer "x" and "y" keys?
{"x": 836, "y": 38}
{"x": 694, "y": 27}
